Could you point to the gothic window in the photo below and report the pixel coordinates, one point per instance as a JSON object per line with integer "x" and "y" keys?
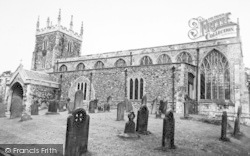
{"x": 80, "y": 66}
{"x": 164, "y": 58}
{"x": 136, "y": 89}
{"x": 78, "y": 86}
{"x": 214, "y": 77}
{"x": 141, "y": 88}
{"x": 99, "y": 65}
{"x": 81, "y": 86}
{"x": 146, "y": 60}
{"x": 120, "y": 63}
{"x": 184, "y": 57}
{"x": 131, "y": 89}
{"x": 85, "y": 91}
{"x": 63, "y": 68}
{"x": 45, "y": 44}
{"x": 70, "y": 46}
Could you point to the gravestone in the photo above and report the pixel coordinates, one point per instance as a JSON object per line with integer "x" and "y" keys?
{"x": 158, "y": 114}
{"x": 168, "y": 131}
{"x": 2, "y": 109}
{"x": 128, "y": 105}
{"x": 130, "y": 125}
{"x": 154, "y": 106}
{"x": 61, "y": 105}
{"x": 78, "y": 102}
{"x": 77, "y": 133}
{"x": 16, "y": 107}
{"x": 34, "y": 107}
{"x": 93, "y": 105}
{"x": 107, "y": 105}
{"x": 52, "y": 109}
{"x": 142, "y": 120}
{"x": 224, "y": 127}
{"x": 144, "y": 100}
{"x": 163, "y": 106}
{"x": 237, "y": 122}
{"x": 120, "y": 111}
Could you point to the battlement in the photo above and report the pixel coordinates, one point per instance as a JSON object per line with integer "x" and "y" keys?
{"x": 60, "y": 28}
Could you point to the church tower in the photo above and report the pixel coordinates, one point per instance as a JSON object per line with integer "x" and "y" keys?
{"x": 55, "y": 42}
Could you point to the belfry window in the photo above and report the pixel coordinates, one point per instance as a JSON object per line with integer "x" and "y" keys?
{"x": 136, "y": 89}
{"x": 70, "y": 45}
{"x": 214, "y": 77}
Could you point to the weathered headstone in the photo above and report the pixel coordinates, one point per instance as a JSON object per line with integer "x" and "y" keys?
{"x": 120, "y": 111}
{"x": 16, "y": 107}
{"x": 130, "y": 125}
{"x": 224, "y": 127}
{"x": 78, "y": 102}
{"x": 53, "y": 106}
{"x": 154, "y": 106}
{"x": 77, "y": 133}
{"x": 144, "y": 100}
{"x": 93, "y": 105}
{"x": 237, "y": 122}
{"x": 2, "y": 109}
{"x": 142, "y": 120}
{"x": 168, "y": 131}
{"x": 163, "y": 106}
{"x": 128, "y": 105}
{"x": 108, "y": 104}
{"x": 34, "y": 107}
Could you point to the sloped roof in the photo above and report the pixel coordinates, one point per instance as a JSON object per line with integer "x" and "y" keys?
{"x": 35, "y": 75}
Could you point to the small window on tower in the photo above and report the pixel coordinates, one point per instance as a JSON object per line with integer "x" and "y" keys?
{"x": 45, "y": 45}
{"x": 70, "y": 47}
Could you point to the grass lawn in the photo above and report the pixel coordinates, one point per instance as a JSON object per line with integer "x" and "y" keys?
{"x": 191, "y": 137}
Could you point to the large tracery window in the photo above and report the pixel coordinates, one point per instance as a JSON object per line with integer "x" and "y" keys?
{"x": 184, "y": 57}
{"x": 164, "y": 58}
{"x": 146, "y": 60}
{"x": 214, "y": 77}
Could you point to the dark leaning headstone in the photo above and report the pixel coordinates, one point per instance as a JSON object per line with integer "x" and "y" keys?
{"x": 77, "y": 133}
{"x": 224, "y": 127}
{"x": 34, "y": 108}
{"x": 107, "y": 105}
{"x": 78, "y": 102}
{"x": 168, "y": 131}
{"x": 144, "y": 100}
{"x": 129, "y": 131}
{"x": 154, "y": 106}
{"x": 120, "y": 111}
{"x": 142, "y": 120}
{"x": 52, "y": 109}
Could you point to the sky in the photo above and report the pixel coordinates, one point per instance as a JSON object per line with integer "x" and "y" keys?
{"x": 111, "y": 25}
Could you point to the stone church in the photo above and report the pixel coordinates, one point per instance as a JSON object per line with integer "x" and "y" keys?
{"x": 210, "y": 72}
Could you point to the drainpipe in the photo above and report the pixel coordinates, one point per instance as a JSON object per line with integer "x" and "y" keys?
{"x": 197, "y": 75}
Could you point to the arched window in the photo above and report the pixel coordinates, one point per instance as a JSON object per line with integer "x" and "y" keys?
{"x": 136, "y": 89}
{"x": 164, "y": 58}
{"x": 45, "y": 44}
{"x": 214, "y": 77}
{"x": 120, "y": 63}
{"x": 78, "y": 86}
{"x": 184, "y": 57}
{"x": 131, "y": 89}
{"x": 81, "y": 86}
{"x": 63, "y": 68}
{"x": 141, "y": 88}
{"x": 99, "y": 65}
{"x": 80, "y": 66}
{"x": 85, "y": 91}
{"x": 70, "y": 46}
{"x": 146, "y": 60}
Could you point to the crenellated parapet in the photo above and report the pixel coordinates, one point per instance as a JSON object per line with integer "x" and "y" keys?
{"x": 53, "y": 28}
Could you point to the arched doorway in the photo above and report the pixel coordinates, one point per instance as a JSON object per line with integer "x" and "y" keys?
{"x": 16, "y": 106}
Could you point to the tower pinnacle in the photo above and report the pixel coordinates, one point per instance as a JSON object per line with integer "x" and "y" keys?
{"x": 59, "y": 17}
{"x": 48, "y": 22}
{"x": 71, "y": 23}
{"x": 81, "y": 32}
{"x": 37, "y": 24}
